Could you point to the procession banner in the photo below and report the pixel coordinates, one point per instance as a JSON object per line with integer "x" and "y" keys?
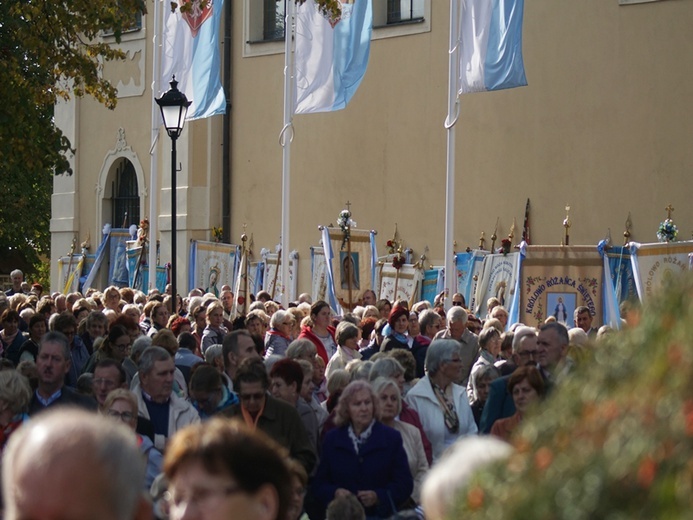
{"x": 429, "y": 285}
{"x": 70, "y": 271}
{"x": 212, "y": 264}
{"x": 351, "y": 264}
{"x": 500, "y": 278}
{"x": 118, "y": 267}
{"x": 654, "y": 265}
{"x": 621, "y": 273}
{"x": 406, "y": 281}
{"x": 272, "y": 276}
{"x": 469, "y": 269}
{"x": 140, "y": 280}
{"x": 257, "y": 273}
{"x": 92, "y": 268}
{"x": 555, "y": 280}
{"x": 318, "y": 269}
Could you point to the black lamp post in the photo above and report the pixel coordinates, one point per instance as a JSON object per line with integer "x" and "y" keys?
{"x": 174, "y": 107}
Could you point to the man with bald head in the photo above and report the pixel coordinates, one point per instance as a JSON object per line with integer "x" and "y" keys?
{"x": 71, "y": 464}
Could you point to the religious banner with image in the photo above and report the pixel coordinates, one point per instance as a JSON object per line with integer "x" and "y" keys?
{"x": 400, "y": 284}
{"x": 656, "y": 264}
{"x": 118, "y": 267}
{"x": 212, "y": 265}
{"x": 432, "y": 284}
{"x": 139, "y": 277}
{"x": 555, "y": 280}
{"x": 500, "y": 279}
{"x": 318, "y": 269}
{"x": 350, "y": 265}
{"x": 272, "y": 276}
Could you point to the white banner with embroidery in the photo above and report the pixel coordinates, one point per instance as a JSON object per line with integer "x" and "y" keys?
{"x": 401, "y": 284}
{"x": 654, "y": 265}
{"x": 498, "y": 279}
{"x": 212, "y": 265}
{"x": 272, "y": 277}
{"x": 318, "y": 271}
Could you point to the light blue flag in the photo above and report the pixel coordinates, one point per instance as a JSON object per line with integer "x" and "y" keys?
{"x": 490, "y": 45}
{"x": 191, "y": 51}
{"x": 330, "y": 56}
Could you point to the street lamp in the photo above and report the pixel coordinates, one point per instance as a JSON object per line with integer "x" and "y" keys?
{"x": 174, "y": 107}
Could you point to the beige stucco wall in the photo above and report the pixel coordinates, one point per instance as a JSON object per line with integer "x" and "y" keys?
{"x": 603, "y": 126}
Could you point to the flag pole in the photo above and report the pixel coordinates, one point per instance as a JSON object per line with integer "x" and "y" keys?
{"x": 453, "y": 114}
{"x": 285, "y": 138}
{"x": 153, "y": 154}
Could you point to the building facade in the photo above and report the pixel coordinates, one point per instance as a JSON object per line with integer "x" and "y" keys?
{"x": 603, "y": 127}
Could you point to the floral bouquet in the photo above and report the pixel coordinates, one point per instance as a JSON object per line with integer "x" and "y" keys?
{"x": 667, "y": 231}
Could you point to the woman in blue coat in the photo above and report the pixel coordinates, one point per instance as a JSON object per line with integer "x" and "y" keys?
{"x": 363, "y": 457}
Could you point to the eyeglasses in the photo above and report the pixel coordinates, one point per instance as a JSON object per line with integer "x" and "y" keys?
{"x": 259, "y": 396}
{"x": 123, "y": 416}
{"x": 527, "y": 354}
{"x": 199, "y": 498}
{"x": 457, "y": 304}
{"x": 122, "y": 348}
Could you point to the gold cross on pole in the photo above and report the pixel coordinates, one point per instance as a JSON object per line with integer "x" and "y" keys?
{"x": 348, "y": 205}
{"x": 669, "y": 209}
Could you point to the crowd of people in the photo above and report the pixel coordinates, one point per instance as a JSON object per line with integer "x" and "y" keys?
{"x": 190, "y": 411}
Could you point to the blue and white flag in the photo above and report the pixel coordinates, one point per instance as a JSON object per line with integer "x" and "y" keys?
{"x": 191, "y": 52}
{"x": 490, "y": 45}
{"x": 330, "y": 56}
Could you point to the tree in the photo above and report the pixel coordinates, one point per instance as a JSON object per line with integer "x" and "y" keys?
{"x": 48, "y": 50}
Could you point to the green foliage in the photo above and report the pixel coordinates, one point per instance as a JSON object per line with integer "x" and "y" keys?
{"x": 47, "y": 48}
{"x": 615, "y": 441}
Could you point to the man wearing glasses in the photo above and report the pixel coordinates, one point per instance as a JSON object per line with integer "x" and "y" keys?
{"x": 276, "y": 418}
{"x": 499, "y": 404}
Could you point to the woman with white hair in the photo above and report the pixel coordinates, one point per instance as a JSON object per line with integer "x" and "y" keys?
{"x": 390, "y": 400}
{"x": 278, "y": 337}
{"x": 442, "y": 405}
{"x": 347, "y": 337}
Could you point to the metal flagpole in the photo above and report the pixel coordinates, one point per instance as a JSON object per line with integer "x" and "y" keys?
{"x": 453, "y": 114}
{"x": 285, "y": 138}
{"x": 153, "y": 154}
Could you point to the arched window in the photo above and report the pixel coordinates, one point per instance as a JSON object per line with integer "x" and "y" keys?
{"x": 125, "y": 196}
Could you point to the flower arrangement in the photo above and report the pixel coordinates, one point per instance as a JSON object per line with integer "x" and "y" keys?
{"x": 217, "y": 233}
{"x": 506, "y": 243}
{"x": 667, "y": 231}
{"x": 398, "y": 261}
{"x": 345, "y": 224}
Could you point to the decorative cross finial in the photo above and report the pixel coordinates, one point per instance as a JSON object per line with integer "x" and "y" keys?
{"x": 566, "y": 225}
{"x": 348, "y": 205}
{"x": 482, "y": 240}
{"x": 669, "y": 209}
{"x": 626, "y": 233}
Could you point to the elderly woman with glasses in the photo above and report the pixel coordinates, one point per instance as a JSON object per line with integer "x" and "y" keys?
{"x": 363, "y": 457}
{"x": 442, "y": 405}
{"x": 121, "y": 405}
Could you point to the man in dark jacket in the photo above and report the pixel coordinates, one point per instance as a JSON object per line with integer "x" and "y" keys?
{"x": 276, "y": 418}
{"x": 53, "y": 363}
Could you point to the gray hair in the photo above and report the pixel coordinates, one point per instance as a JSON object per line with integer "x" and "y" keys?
{"x": 56, "y": 337}
{"x": 150, "y": 356}
{"x": 359, "y": 369}
{"x": 386, "y": 367}
{"x": 456, "y": 314}
{"x": 561, "y": 332}
{"x": 17, "y": 272}
{"x": 439, "y": 352}
{"x": 427, "y": 318}
{"x": 445, "y": 480}
{"x": 279, "y": 317}
{"x": 520, "y": 333}
{"x": 299, "y": 348}
{"x": 489, "y": 372}
{"x": 141, "y": 344}
{"x": 57, "y": 437}
{"x": 381, "y": 384}
{"x": 212, "y": 353}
